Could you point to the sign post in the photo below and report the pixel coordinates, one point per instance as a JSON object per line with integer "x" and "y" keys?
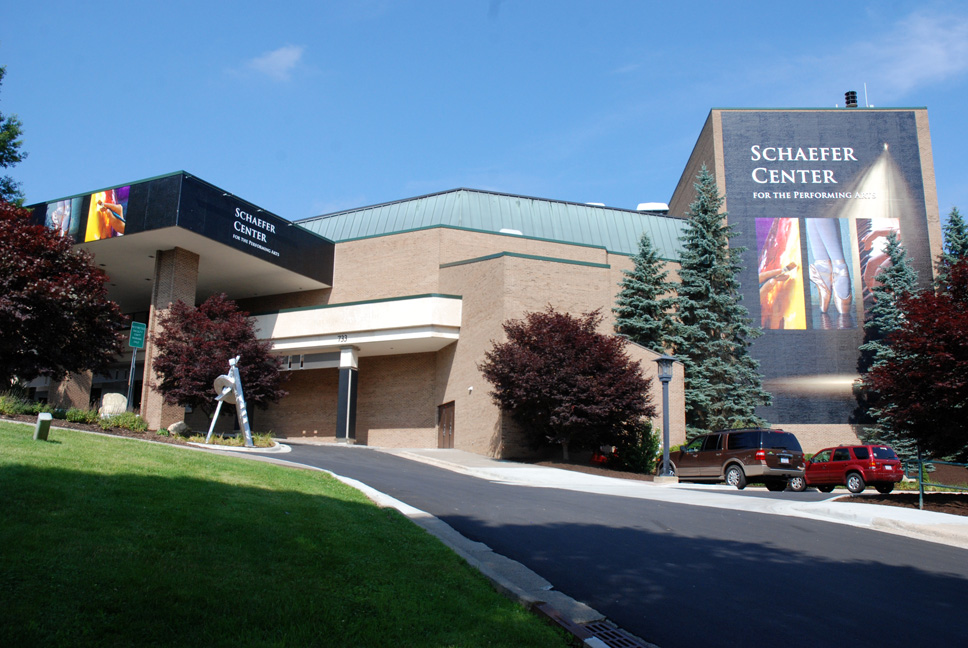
{"x": 136, "y": 340}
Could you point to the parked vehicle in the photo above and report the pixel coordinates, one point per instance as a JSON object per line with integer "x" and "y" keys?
{"x": 854, "y": 467}
{"x": 741, "y": 457}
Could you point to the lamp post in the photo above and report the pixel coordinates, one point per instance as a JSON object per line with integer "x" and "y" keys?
{"x": 665, "y": 363}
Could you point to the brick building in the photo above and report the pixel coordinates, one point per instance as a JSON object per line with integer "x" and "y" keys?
{"x": 381, "y": 327}
{"x": 383, "y": 313}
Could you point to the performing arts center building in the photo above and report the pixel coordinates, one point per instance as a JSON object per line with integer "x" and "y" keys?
{"x": 383, "y": 314}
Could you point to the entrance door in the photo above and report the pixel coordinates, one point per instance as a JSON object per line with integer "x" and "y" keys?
{"x": 445, "y": 425}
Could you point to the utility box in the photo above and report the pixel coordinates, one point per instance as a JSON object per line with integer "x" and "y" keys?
{"x": 43, "y": 426}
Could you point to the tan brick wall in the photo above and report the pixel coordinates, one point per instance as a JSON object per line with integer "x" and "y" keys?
{"x": 935, "y": 237}
{"x": 816, "y": 437}
{"x": 309, "y": 410}
{"x": 704, "y": 152}
{"x": 399, "y": 395}
{"x": 461, "y": 245}
{"x": 286, "y": 300}
{"x": 397, "y": 406}
{"x": 386, "y": 266}
{"x": 175, "y": 278}
{"x": 477, "y": 422}
{"x": 73, "y": 391}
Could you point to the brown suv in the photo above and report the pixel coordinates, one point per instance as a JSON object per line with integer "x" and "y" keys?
{"x": 739, "y": 457}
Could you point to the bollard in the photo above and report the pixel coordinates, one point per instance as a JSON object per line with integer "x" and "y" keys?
{"x": 43, "y": 426}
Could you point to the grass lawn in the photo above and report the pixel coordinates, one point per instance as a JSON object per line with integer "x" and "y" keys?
{"x": 115, "y": 542}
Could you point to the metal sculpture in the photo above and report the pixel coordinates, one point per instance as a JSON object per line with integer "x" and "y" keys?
{"x": 228, "y": 388}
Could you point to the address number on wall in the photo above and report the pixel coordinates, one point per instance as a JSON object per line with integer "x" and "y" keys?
{"x": 342, "y": 338}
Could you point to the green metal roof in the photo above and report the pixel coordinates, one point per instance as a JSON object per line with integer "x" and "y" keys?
{"x": 616, "y": 230}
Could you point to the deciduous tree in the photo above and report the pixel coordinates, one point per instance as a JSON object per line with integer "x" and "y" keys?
{"x": 566, "y": 383}
{"x": 194, "y": 348}
{"x": 714, "y": 330}
{"x": 896, "y": 281}
{"x": 922, "y": 390}
{"x": 55, "y": 317}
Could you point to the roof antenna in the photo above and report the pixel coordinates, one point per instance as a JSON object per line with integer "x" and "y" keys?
{"x": 867, "y": 104}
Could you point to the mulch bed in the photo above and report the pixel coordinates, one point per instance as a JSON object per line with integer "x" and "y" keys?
{"x": 88, "y": 427}
{"x": 953, "y": 503}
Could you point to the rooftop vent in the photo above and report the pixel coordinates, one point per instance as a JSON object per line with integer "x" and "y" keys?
{"x": 850, "y": 99}
{"x": 595, "y": 204}
{"x": 652, "y": 207}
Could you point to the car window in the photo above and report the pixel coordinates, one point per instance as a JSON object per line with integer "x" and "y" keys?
{"x": 743, "y": 440}
{"x": 781, "y": 440}
{"x": 713, "y": 442}
{"x": 861, "y": 453}
{"x": 841, "y": 454}
{"x": 883, "y": 452}
{"x": 820, "y": 457}
{"x": 694, "y": 445}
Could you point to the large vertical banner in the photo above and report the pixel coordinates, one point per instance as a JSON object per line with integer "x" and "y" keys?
{"x": 812, "y": 196}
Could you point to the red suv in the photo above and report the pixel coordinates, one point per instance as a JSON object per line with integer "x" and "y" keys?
{"x": 854, "y": 467}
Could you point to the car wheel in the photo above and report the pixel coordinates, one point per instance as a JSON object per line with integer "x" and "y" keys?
{"x": 775, "y": 487}
{"x": 736, "y": 477}
{"x": 797, "y": 484}
{"x": 884, "y": 489}
{"x": 855, "y": 483}
{"x": 825, "y": 489}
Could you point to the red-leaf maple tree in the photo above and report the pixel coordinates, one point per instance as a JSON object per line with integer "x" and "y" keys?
{"x": 924, "y": 388}
{"x": 55, "y": 316}
{"x": 565, "y": 382}
{"x": 194, "y": 348}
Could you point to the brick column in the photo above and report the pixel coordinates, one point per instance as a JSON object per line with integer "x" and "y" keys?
{"x": 175, "y": 278}
{"x": 73, "y": 391}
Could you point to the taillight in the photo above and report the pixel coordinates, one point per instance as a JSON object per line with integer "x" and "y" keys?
{"x": 760, "y": 455}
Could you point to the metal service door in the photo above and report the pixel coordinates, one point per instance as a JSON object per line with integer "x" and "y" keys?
{"x": 445, "y": 425}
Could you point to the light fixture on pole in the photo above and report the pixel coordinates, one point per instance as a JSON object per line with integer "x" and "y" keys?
{"x": 665, "y": 363}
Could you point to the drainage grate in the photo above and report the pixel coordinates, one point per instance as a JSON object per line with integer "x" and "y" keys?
{"x": 614, "y": 637}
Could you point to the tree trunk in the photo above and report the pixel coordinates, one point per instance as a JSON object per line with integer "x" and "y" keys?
{"x": 564, "y": 451}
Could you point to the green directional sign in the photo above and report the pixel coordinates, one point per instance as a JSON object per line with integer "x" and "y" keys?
{"x": 137, "y": 337}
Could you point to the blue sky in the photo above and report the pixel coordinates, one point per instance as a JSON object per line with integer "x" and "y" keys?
{"x": 310, "y": 107}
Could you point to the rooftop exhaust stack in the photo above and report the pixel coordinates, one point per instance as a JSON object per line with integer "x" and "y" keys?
{"x": 850, "y": 99}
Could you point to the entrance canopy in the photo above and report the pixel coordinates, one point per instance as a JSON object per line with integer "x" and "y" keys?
{"x": 244, "y": 251}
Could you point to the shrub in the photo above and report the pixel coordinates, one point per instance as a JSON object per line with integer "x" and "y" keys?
{"x": 12, "y": 405}
{"x": 76, "y": 415}
{"x": 637, "y": 452}
{"x": 259, "y": 439}
{"x": 34, "y": 408}
{"x": 125, "y": 420}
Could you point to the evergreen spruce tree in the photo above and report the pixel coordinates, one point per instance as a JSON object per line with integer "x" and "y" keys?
{"x": 955, "y": 245}
{"x": 895, "y": 282}
{"x": 714, "y": 330}
{"x": 641, "y": 311}
{"x": 10, "y": 153}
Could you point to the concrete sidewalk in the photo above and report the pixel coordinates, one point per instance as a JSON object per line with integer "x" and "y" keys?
{"x": 946, "y": 529}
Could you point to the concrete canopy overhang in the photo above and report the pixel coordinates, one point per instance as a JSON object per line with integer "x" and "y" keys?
{"x": 414, "y": 324}
{"x": 129, "y": 262}
{"x": 244, "y": 251}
